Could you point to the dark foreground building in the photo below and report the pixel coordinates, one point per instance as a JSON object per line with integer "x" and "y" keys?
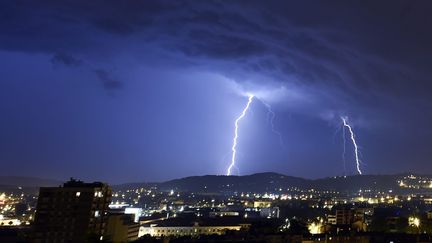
{"x": 76, "y": 212}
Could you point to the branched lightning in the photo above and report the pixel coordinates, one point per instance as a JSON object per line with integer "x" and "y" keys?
{"x": 352, "y": 136}
{"x": 236, "y": 123}
{"x": 271, "y": 116}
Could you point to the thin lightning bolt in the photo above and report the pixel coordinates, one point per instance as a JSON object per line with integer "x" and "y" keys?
{"x": 271, "y": 116}
{"x": 233, "y": 148}
{"x": 356, "y": 152}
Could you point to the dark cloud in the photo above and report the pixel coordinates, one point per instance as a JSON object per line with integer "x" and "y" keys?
{"x": 370, "y": 60}
{"x": 357, "y": 48}
{"x": 105, "y": 77}
{"x": 107, "y": 81}
{"x": 64, "y": 59}
{"x": 207, "y": 44}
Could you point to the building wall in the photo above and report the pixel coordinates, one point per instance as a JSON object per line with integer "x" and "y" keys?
{"x": 74, "y": 212}
{"x": 158, "y": 231}
{"x": 270, "y": 212}
{"x": 223, "y": 214}
{"x": 121, "y": 228}
{"x": 344, "y": 216}
{"x": 262, "y": 204}
{"x": 9, "y": 222}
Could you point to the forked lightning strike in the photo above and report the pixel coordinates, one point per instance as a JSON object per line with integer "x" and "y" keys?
{"x": 271, "y": 116}
{"x": 352, "y": 136}
{"x": 233, "y": 148}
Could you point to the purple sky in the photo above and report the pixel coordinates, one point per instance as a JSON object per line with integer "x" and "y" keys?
{"x": 149, "y": 90}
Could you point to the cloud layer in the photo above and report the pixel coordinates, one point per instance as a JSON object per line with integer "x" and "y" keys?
{"x": 367, "y": 60}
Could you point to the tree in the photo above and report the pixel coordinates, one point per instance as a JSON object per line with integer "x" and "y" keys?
{"x": 401, "y": 225}
{"x": 297, "y": 227}
{"x": 378, "y": 224}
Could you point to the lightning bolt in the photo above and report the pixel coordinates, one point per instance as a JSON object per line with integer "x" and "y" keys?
{"x": 236, "y": 123}
{"x": 271, "y": 116}
{"x": 356, "y": 151}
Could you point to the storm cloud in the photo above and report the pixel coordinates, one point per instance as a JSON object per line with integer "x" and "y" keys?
{"x": 366, "y": 59}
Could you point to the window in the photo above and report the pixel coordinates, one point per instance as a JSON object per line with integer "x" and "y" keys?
{"x": 77, "y": 194}
{"x": 97, "y": 213}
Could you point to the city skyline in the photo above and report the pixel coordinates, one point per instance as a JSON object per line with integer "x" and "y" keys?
{"x": 150, "y": 91}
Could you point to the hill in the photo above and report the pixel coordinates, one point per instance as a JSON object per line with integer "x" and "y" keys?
{"x": 260, "y": 182}
{"x": 272, "y": 182}
{"x": 255, "y": 183}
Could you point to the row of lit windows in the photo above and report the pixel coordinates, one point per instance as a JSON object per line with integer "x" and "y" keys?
{"x": 190, "y": 230}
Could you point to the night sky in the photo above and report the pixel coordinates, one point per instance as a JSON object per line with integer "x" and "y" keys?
{"x": 125, "y": 91}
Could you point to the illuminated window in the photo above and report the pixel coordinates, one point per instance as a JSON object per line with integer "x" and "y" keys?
{"x": 97, "y": 214}
{"x": 77, "y": 194}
